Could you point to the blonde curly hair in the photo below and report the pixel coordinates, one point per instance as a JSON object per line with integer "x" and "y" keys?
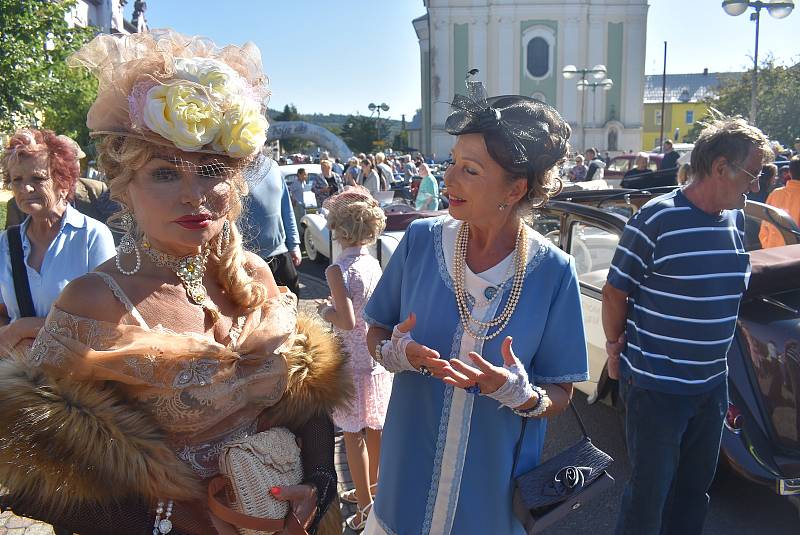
{"x": 121, "y": 156}
{"x": 355, "y": 217}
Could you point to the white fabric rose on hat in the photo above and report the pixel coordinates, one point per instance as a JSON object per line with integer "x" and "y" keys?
{"x": 243, "y": 129}
{"x": 212, "y": 74}
{"x": 182, "y": 113}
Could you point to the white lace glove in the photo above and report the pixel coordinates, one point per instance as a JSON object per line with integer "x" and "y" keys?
{"x": 517, "y": 390}
{"x": 393, "y": 352}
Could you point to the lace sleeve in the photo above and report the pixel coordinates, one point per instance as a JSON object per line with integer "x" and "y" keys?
{"x": 46, "y": 349}
{"x": 317, "y": 437}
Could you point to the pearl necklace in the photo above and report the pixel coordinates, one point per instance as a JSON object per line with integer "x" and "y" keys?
{"x": 189, "y": 269}
{"x": 459, "y": 269}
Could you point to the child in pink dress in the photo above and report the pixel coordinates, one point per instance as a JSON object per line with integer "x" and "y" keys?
{"x": 356, "y": 220}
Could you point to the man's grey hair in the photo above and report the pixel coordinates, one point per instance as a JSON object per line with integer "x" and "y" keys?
{"x": 729, "y": 137}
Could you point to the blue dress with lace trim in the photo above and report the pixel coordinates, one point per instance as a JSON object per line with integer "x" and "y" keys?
{"x": 446, "y": 455}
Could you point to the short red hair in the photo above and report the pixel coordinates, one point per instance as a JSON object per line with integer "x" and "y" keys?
{"x": 62, "y": 156}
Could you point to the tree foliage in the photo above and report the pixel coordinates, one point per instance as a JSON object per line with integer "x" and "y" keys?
{"x": 360, "y": 133}
{"x": 37, "y": 86}
{"x": 289, "y": 145}
{"x": 778, "y": 113}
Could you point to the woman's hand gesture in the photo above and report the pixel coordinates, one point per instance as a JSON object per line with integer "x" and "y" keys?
{"x": 485, "y": 375}
{"x": 419, "y": 355}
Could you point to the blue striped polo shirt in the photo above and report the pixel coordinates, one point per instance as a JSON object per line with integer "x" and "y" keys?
{"x": 684, "y": 271}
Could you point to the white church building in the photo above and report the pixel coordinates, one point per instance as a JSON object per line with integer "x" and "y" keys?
{"x": 521, "y": 47}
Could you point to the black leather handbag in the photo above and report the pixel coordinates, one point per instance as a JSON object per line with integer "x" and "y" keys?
{"x": 561, "y": 484}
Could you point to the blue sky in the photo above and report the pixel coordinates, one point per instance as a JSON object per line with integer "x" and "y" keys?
{"x": 337, "y": 56}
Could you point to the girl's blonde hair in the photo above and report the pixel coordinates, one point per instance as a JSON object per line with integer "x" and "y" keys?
{"x": 355, "y": 217}
{"x": 121, "y": 156}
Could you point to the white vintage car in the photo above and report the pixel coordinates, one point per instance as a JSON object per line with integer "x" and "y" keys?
{"x": 320, "y": 247}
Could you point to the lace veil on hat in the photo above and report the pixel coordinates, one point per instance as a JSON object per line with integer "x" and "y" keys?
{"x": 179, "y": 91}
{"x": 524, "y": 135}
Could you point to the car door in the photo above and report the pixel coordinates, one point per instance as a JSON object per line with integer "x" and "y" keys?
{"x": 591, "y": 236}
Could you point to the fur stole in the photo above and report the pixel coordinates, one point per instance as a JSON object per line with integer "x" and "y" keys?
{"x": 62, "y": 441}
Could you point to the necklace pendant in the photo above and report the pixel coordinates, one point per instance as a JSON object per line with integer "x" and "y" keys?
{"x": 196, "y": 293}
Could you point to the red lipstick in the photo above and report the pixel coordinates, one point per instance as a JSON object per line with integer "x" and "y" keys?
{"x": 194, "y": 221}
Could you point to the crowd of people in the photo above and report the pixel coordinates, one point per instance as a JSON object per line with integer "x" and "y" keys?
{"x": 163, "y": 344}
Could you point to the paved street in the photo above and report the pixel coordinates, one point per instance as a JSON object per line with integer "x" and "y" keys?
{"x": 737, "y": 507}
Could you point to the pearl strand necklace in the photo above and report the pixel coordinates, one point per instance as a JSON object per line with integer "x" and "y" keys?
{"x": 459, "y": 268}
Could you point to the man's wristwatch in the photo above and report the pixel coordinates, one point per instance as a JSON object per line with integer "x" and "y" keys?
{"x": 541, "y": 405}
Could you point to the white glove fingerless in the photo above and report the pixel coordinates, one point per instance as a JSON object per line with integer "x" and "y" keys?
{"x": 516, "y": 391}
{"x": 393, "y": 352}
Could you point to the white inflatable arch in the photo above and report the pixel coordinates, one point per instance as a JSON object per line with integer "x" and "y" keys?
{"x": 311, "y": 132}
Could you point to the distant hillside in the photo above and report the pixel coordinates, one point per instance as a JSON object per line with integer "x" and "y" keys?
{"x": 335, "y": 121}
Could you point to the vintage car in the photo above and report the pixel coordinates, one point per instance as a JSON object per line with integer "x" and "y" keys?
{"x": 289, "y": 175}
{"x": 320, "y": 246}
{"x": 619, "y": 165}
{"x": 761, "y": 437}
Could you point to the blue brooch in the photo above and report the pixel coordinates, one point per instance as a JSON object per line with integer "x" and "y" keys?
{"x": 490, "y": 292}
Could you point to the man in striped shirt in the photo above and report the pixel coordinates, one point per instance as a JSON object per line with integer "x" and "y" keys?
{"x": 669, "y": 314}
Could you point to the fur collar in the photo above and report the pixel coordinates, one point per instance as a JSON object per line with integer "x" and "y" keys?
{"x": 64, "y": 443}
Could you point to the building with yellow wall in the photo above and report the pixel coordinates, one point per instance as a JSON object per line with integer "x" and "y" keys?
{"x": 684, "y": 104}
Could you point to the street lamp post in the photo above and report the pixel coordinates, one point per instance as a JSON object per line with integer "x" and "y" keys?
{"x": 377, "y": 108}
{"x": 571, "y": 71}
{"x": 606, "y": 84}
{"x": 776, "y": 8}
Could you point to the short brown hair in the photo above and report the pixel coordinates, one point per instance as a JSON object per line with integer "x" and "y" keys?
{"x": 794, "y": 168}
{"x": 730, "y": 138}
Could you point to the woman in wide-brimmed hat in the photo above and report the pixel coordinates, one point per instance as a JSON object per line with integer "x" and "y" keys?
{"x": 183, "y": 342}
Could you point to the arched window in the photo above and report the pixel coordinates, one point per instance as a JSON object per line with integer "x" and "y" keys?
{"x": 538, "y": 47}
{"x": 538, "y": 57}
{"x": 613, "y": 142}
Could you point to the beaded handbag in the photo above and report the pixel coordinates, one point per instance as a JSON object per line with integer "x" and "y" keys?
{"x": 249, "y": 468}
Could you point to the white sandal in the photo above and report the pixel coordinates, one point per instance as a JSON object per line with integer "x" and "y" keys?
{"x": 349, "y": 496}
{"x": 363, "y": 513}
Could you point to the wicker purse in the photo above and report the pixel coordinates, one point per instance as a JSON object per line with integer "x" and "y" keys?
{"x": 249, "y": 468}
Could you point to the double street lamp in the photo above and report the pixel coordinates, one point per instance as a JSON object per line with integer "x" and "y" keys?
{"x": 778, "y": 9}
{"x": 378, "y": 108}
{"x": 599, "y": 73}
{"x": 606, "y": 84}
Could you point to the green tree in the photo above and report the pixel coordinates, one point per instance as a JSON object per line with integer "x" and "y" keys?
{"x": 360, "y": 133}
{"x": 778, "y": 113}
{"x": 36, "y": 83}
{"x": 289, "y": 113}
{"x": 400, "y": 141}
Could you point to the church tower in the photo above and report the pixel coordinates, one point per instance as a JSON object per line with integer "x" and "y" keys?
{"x": 522, "y": 46}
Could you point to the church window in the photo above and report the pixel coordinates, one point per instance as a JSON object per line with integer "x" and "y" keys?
{"x": 538, "y": 57}
{"x": 538, "y": 48}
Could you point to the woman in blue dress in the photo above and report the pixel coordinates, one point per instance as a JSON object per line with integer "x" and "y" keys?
{"x": 456, "y": 292}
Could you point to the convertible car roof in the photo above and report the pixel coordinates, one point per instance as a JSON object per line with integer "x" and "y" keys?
{"x": 774, "y": 270}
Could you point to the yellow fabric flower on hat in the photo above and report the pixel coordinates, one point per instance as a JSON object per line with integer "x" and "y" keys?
{"x": 182, "y": 113}
{"x": 243, "y": 129}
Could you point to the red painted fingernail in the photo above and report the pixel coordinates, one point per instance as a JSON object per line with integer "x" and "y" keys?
{"x": 275, "y": 490}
